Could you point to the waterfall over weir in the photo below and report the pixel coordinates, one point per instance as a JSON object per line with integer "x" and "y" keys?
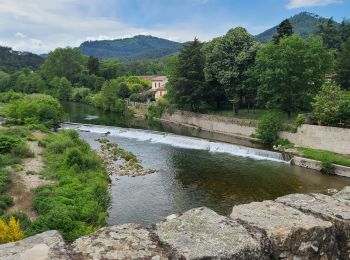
{"x": 181, "y": 141}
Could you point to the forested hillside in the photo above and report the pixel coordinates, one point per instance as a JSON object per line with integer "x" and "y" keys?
{"x": 137, "y": 48}
{"x": 11, "y": 60}
{"x": 304, "y": 23}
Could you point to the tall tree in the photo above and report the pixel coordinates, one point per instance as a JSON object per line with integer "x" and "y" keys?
{"x": 344, "y": 30}
{"x": 228, "y": 62}
{"x": 291, "y": 72}
{"x": 328, "y": 30}
{"x": 187, "y": 83}
{"x": 93, "y": 65}
{"x": 284, "y": 29}
{"x": 343, "y": 65}
{"x": 63, "y": 62}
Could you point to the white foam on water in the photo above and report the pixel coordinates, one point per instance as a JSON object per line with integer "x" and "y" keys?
{"x": 180, "y": 141}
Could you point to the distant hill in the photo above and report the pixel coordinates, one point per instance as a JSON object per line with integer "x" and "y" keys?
{"x": 11, "y": 60}
{"x": 304, "y": 23}
{"x": 130, "y": 49}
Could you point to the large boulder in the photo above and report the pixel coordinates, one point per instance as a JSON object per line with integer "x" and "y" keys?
{"x": 129, "y": 241}
{"x": 328, "y": 208}
{"x": 44, "y": 246}
{"x": 203, "y": 234}
{"x": 293, "y": 234}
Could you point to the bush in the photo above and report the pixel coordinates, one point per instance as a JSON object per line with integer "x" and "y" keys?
{"x": 10, "y": 231}
{"x": 10, "y": 96}
{"x": 5, "y": 180}
{"x": 327, "y": 167}
{"x": 22, "y": 217}
{"x": 22, "y": 151}
{"x": 268, "y": 127}
{"x": 80, "y": 94}
{"x": 7, "y": 143}
{"x": 136, "y": 97}
{"x": 37, "y": 108}
{"x": 300, "y": 120}
{"x": 7, "y": 199}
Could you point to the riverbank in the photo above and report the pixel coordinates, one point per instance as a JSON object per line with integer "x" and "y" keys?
{"x": 303, "y": 226}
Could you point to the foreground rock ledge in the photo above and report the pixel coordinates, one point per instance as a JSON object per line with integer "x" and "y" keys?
{"x": 296, "y": 226}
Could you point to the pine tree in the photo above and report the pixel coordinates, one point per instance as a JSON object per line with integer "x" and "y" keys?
{"x": 343, "y": 65}
{"x": 284, "y": 29}
{"x": 187, "y": 83}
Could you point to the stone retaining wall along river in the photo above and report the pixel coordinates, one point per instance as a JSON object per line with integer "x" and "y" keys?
{"x": 296, "y": 226}
{"x": 311, "y": 136}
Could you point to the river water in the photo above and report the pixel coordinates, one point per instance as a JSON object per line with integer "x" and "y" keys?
{"x": 191, "y": 171}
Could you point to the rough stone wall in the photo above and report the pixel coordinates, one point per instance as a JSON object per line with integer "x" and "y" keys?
{"x": 316, "y": 137}
{"x": 296, "y": 226}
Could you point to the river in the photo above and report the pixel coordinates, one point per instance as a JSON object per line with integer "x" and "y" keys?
{"x": 191, "y": 171}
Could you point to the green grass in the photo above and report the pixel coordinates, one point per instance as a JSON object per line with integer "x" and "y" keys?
{"x": 323, "y": 156}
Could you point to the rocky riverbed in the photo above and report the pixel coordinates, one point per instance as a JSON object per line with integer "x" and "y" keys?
{"x": 296, "y": 226}
{"x": 119, "y": 162}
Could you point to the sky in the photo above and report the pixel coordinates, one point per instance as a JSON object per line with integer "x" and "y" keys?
{"x": 43, "y": 25}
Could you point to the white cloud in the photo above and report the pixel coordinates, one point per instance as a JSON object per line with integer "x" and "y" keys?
{"x": 20, "y": 35}
{"x": 310, "y": 3}
{"x": 41, "y": 25}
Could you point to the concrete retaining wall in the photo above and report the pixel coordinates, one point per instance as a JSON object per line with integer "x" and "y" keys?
{"x": 212, "y": 123}
{"x": 311, "y": 136}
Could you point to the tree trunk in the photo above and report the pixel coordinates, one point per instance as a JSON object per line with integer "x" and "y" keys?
{"x": 289, "y": 115}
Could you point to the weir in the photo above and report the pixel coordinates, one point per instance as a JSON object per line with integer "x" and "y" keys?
{"x": 181, "y": 141}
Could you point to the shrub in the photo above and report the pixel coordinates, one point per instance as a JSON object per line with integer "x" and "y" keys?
{"x": 136, "y": 97}
{"x": 7, "y": 199}
{"x": 327, "y": 167}
{"x": 10, "y": 231}
{"x": 10, "y": 96}
{"x": 7, "y": 143}
{"x": 268, "y": 127}
{"x": 300, "y": 120}
{"x": 22, "y": 151}
{"x": 5, "y": 180}
{"x": 80, "y": 94}
{"x": 20, "y": 216}
{"x": 37, "y": 108}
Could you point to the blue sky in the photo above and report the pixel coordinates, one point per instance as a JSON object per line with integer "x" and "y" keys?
{"x": 42, "y": 25}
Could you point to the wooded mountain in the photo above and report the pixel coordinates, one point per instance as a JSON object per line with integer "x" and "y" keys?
{"x": 129, "y": 49}
{"x": 303, "y": 23}
{"x": 11, "y": 60}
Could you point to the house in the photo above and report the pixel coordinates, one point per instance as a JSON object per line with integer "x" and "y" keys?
{"x": 158, "y": 83}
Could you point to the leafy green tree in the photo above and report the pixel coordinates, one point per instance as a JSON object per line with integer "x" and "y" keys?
{"x": 291, "y": 72}
{"x": 268, "y": 127}
{"x": 61, "y": 88}
{"x": 123, "y": 90}
{"x": 93, "y": 65}
{"x": 63, "y": 62}
{"x": 4, "y": 81}
{"x": 29, "y": 82}
{"x": 328, "y": 30}
{"x": 344, "y": 30}
{"x": 326, "y": 104}
{"x": 284, "y": 29}
{"x": 343, "y": 65}
{"x": 112, "y": 68}
{"x": 228, "y": 62}
{"x": 37, "y": 108}
{"x": 188, "y": 83}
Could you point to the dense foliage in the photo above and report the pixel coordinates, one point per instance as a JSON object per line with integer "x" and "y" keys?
{"x": 291, "y": 72}
{"x": 36, "y": 109}
{"x": 77, "y": 203}
{"x": 129, "y": 49}
{"x": 331, "y": 106}
{"x": 268, "y": 127}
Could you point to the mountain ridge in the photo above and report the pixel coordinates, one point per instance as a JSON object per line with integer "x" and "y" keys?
{"x": 139, "y": 47}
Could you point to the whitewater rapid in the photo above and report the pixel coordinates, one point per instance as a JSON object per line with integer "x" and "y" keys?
{"x": 179, "y": 141}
